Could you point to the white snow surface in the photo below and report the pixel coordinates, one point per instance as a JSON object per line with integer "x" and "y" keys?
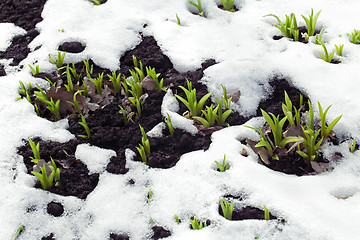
{"x": 247, "y": 57}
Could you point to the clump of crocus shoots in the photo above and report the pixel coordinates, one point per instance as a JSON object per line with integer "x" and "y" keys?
{"x": 196, "y": 224}
{"x": 86, "y": 127}
{"x": 169, "y": 124}
{"x": 226, "y": 208}
{"x": 198, "y": 6}
{"x": 266, "y": 213}
{"x": 353, "y": 146}
{"x": 50, "y": 174}
{"x": 224, "y": 166}
{"x": 144, "y": 147}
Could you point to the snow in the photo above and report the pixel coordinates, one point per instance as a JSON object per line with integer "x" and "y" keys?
{"x": 248, "y": 56}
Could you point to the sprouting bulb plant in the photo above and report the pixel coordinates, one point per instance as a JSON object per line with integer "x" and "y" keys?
{"x": 142, "y": 153}
{"x": 123, "y": 111}
{"x": 191, "y": 102}
{"x": 225, "y": 99}
{"x": 228, "y": 5}
{"x": 310, "y": 144}
{"x": 35, "y": 70}
{"x": 24, "y": 92}
{"x": 226, "y": 208}
{"x": 353, "y": 146}
{"x": 210, "y": 114}
{"x": 98, "y": 83}
{"x": 18, "y": 231}
{"x": 152, "y": 73}
{"x": 176, "y": 218}
{"x": 59, "y": 61}
{"x": 116, "y": 81}
{"x": 36, "y": 151}
{"x": 224, "y": 166}
{"x": 198, "y": 6}
{"x": 75, "y": 102}
{"x": 326, "y": 56}
{"x": 138, "y": 68}
{"x": 355, "y": 36}
{"x": 97, "y": 2}
{"x": 69, "y": 86}
{"x": 311, "y": 22}
{"x": 150, "y": 194}
{"x": 47, "y": 180}
{"x": 287, "y": 110}
{"x": 289, "y": 27}
{"x": 319, "y": 36}
{"x": 144, "y": 140}
{"x": 266, "y": 213}
{"x": 339, "y": 49}
{"x": 74, "y": 73}
{"x": 86, "y": 127}
{"x": 89, "y": 69}
{"x": 178, "y": 20}
{"x": 222, "y": 116}
{"x": 53, "y": 107}
{"x": 169, "y": 124}
{"x": 197, "y": 225}
{"x": 325, "y": 131}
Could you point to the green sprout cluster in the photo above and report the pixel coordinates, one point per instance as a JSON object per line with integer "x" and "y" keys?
{"x": 144, "y": 147}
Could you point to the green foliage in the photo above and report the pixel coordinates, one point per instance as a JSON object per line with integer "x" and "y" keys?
{"x": 142, "y": 153}
{"x": 191, "y": 103}
{"x": 223, "y": 167}
{"x": 98, "y": 82}
{"x": 75, "y": 103}
{"x": 59, "y": 61}
{"x": 45, "y": 180}
{"x": 97, "y": 2}
{"x": 353, "y": 146}
{"x": 138, "y": 68}
{"x": 86, "y": 127}
{"x": 35, "y": 70}
{"x": 36, "y": 151}
{"x": 355, "y": 36}
{"x": 339, "y": 49}
{"x": 170, "y": 126}
{"x": 69, "y": 86}
{"x": 266, "y": 213}
{"x": 151, "y": 72}
{"x": 210, "y": 114}
{"x": 116, "y": 81}
{"x": 226, "y": 208}
{"x": 144, "y": 147}
{"x": 319, "y": 36}
{"x": 222, "y": 116}
{"x": 310, "y": 144}
{"x": 176, "y": 218}
{"x": 325, "y": 131}
{"x": 89, "y": 69}
{"x": 287, "y": 110}
{"x": 325, "y": 56}
{"x": 289, "y": 28}
{"x": 225, "y": 99}
{"x": 311, "y": 22}
{"x": 25, "y": 92}
{"x": 178, "y": 20}
{"x": 74, "y": 73}
{"x": 310, "y": 124}
{"x": 126, "y": 120}
{"x": 149, "y": 196}
{"x": 18, "y": 231}
{"x": 196, "y": 225}
{"x": 199, "y": 7}
{"x": 53, "y": 107}
{"x": 228, "y": 5}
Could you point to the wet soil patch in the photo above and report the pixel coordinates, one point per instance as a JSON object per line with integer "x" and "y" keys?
{"x": 160, "y": 232}
{"x": 71, "y": 47}
{"x": 55, "y": 209}
{"x": 120, "y": 236}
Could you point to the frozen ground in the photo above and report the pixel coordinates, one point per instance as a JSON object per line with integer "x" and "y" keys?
{"x": 242, "y": 44}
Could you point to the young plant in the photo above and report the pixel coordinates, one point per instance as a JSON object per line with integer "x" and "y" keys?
{"x": 319, "y": 36}
{"x": 149, "y": 196}
{"x": 36, "y": 151}
{"x": 310, "y": 123}
{"x": 53, "y": 107}
{"x": 59, "y": 61}
{"x": 74, "y": 73}
{"x": 142, "y": 153}
{"x": 151, "y": 72}
{"x": 75, "y": 103}
{"x": 210, "y": 114}
{"x": 311, "y": 22}
{"x": 289, "y": 27}
{"x": 355, "y": 36}
{"x": 138, "y": 68}
{"x": 144, "y": 140}
{"x": 126, "y": 120}
{"x": 266, "y": 213}
{"x": 310, "y": 144}
{"x": 325, "y": 131}
{"x": 47, "y": 180}
{"x": 222, "y": 116}
{"x": 86, "y": 127}
{"x": 196, "y": 225}
{"x": 18, "y": 231}
{"x": 35, "y": 70}
{"x": 98, "y": 83}
{"x": 178, "y": 20}
{"x": 326, "y": 56}
{"x": 116, "y": 81}
{"x": 97, "y": 2}
{"x": 223, "y": 167}
{"x": 287, "y": 110}
{"x": 169, "y": 124}
{"x": 25, "y": 92}
{"x": 226, "y": 208}
{"x": 191, "y": 103}
{"x": 176, "y": 218}
{"x": 137, "y": 103}
{"x": 89, "y": 69}
{"x": 353, "y": 146}
{"x": 228, "y": 5}
{"x": 339, "y": 49}
{"x": 225, "y": 99}
{"x": 199, "y": 7}
{"x": 69, "y": 86}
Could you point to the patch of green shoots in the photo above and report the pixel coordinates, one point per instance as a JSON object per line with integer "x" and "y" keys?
{"x": 59, "y": 61}
{"x": 339, "y": 49}
{"x": 18, "y": 231}
{"x": 74, "y": 73}
{"x": 191, "y": 103}
{"x": 36, "y": 151}
{"x": 86, "y": 127}
{"x": 152, "y": 73}
{"x": 210, "y": 114}
{"x": 138, "y": 68}
{"x": 136, "y": 89}
{"x": 197, "y": 225}
{"x": 222, "y": 116}
{"x": 116, "y": 81}
{"x": 310, "y": 144}
{"x": 228, "y": 5}
{"x": 178, "y": 20}
{"x": 198, "y": 6}
{"x": 223, "y": 167}
{"x": 24, "y": 92}
{"x": 45, "y": 179}
{"x": 126, "y": 120}
{"x": 355, "y": 36}
{"x": 75, "y": 103}
{"x": 227, "y": 209}
{"x": 176, "y": 218}
{"x": 35, "y": 70}
{"x": 311, "y": 22}
{"x": 53, "y": 107}
{"x": 319, "y": 36}
{"x": 89, "y": 69}
{"x": 353, "y": 146}
{"x": 289, "y": 28}
{"x": 287, "y": 110}
{"x": 310, "y": 123}
{"x": 225, "y": 99}
{"x": 325, "y": 131}
{"x": 144, "y": 140}
{"x": 266, "y": 213}
{"x": 69, "y": 86}
{"x": 149, "y": 196}
{"x": 137, "y": 103}
{"x": 169, "y": 124}
{"x": 85, "y": 88}
{"x": 142, "y": 153}
{"x": 97, "y": 2}
{"x": 326, "y": 56}
{"x": 98, "y": 82}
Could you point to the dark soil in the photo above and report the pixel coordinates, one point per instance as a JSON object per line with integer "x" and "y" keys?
{"x": 56, "y": 209}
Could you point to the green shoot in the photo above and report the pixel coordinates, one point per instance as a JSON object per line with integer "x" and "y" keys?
{"x": 210, "y": 114}
{"x": 310, "y": 144}
{"x": 149, "y": 196}
{"x": 178, "y": 20}
{"x": 264, "y": 142}
{"x": 75, "y": 103}
{"x": 97, "y": 2}
{"x": 125, "y": 85}
{"x": 353, "y": 146}
{"x": 126, "y": 120}
{"x": 287, "y": 29}
{"x": 36, "y": 151}
{"x": 86, "y": 127}
{"x": 196, "y": 225}
{"x": 191, "y": 103}
{"x": 98, "y": 83}
{"x": 53, "y": 84}
{"x": 311, "y": 22}
{"x": 151, "y": 72}
{"x": 86, "y": 91}
{"x": 74, "y": 73}
{"x": 199, "y": 7}
{"x": 311, "y": 124}
{"x": 169, "y": 124}
{"x": 45, "y": 180}
{"x": 18, "y": 231}
{"x": 144, "y": 140}
{"x": 176, "y": 218}
{"x": 222, "y": 116}
{"x": 138, "y": 69}
{"x": 223, "y": 167}
{"x": 287, "y": 110}
{"x": 355, "y": 36}
{"x": 35, "y": 70}
{"x": 226, "y": 100}
{"x": 69, "y": 86}
{"x": 142, "y": 153}
{"x": 136, "y": 102}
{"x": 53, "y": 107}
{"x": 228, "y": 5}
{"x": 136, "y": 89}
{"x": 56, "y": 172}
{"x": 339, "y": 49}
{"x": 59, "y": 61}
{"x": 89, "y": 70}
{"x": 325, "y": 131}
{"x": 25, "y": 92}
{"x": 266, "y": 213}
{"x": 115, "y": 81}
{"x": 325, "y": 56}
{"x": 226, "y": 208}
{"x": 319, "y": 36}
